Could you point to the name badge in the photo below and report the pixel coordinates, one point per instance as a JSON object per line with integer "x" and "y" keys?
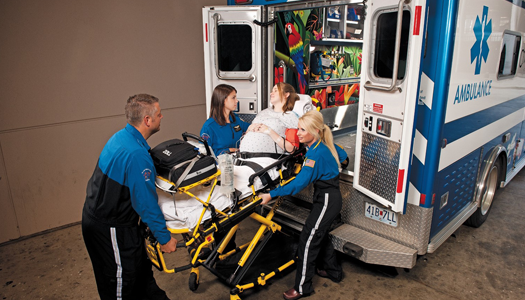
{"x": 237, "y": 128}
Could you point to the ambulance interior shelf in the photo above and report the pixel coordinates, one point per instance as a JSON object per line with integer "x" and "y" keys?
{"x": 334, "y": 63}
{"x": 344, "y": 22}
{"x": 335, "y": 59}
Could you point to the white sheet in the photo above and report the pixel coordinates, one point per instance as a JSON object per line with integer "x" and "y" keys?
{"x": 182, "y": 211}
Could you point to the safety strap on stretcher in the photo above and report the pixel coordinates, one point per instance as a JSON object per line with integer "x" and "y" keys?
{"x": 265, "y": 177}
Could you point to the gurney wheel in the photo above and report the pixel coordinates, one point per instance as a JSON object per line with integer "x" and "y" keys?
{"x": 193, "y": 281}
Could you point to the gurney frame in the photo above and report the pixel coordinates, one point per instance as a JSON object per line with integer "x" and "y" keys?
{"x": 201, "y": 241}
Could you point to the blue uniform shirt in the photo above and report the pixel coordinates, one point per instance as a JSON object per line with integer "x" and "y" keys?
{"x": 123, "y": 185}
{"x": 319, "y": 164}
{"x": 221, "y": 138}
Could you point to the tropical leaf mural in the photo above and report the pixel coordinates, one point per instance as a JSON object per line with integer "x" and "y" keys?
{"x": 354, "y": 55}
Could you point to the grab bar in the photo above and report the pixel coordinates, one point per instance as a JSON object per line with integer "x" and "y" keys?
{"x": 251, "y": 77}
{"x": 370, "y": 86}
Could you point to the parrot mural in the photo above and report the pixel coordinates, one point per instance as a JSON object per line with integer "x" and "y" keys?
{"x": 295, "y": 43}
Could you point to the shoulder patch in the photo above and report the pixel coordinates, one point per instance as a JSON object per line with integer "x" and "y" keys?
{"x": 205, "y": 136}
{"x": 146, "y": 173}
{"x": 309, "y": 163}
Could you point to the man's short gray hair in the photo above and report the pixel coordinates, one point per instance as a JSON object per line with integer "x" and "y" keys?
{"x": 139, "y": 106}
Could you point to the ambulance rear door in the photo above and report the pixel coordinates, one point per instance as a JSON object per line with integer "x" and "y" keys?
{"x": 392, "y": 51}
{"x": 232, "y": 54}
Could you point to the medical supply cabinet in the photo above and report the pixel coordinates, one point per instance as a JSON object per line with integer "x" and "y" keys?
{"x": 426, "y": 96}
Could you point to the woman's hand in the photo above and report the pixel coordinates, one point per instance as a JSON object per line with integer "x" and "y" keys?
{"x": 264, "y": 129}
{"x": 265, "y": 198}
{"x": 254, "y": 127}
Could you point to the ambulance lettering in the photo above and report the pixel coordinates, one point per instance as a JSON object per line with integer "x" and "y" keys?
{"x": 471, "y": 91}
{"x": 478, "y": 54}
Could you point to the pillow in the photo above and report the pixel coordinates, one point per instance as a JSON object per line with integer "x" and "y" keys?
{"x": 303, "y": 105}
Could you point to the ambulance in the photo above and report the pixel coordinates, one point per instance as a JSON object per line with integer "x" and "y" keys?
{"x": 426, "y": 96}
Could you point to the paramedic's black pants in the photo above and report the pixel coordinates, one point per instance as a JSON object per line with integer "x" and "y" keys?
{"x": 315, "y": 248}
{"x": 122, "y": 269}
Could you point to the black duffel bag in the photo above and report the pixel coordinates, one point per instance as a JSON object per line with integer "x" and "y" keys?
{"x": 180, "y": 163}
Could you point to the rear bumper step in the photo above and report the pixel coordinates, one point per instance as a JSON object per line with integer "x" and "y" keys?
{"x": 371, "y": 248}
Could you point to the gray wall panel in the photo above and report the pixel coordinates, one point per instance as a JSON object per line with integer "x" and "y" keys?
{"x": 66, "y": 70}
{"x": 64, "y": 60}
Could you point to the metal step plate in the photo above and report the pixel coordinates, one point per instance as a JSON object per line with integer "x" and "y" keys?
{"x": 293, "y": 212}
{"x": 375, "y": 249}
{"x": 290, "y": 214}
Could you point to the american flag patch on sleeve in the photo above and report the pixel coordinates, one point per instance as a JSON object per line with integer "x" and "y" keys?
{"x": 309, "y": 163}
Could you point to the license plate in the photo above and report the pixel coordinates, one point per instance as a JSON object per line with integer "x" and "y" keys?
{"x": 380, "y": 214}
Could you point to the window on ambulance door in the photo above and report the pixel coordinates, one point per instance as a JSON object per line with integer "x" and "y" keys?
{"x": 234, "y": 47}
{"x": 385, "y": 45}
{"x": 510, "y": 50}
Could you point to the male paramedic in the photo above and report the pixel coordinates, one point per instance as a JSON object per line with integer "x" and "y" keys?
{"x": 122, "y": 189}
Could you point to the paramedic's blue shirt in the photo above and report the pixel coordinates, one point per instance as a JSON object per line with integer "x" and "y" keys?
{"x": 222, "y": 138}
{"x": 123, "y": 185}
{"x": 319, "y": 164}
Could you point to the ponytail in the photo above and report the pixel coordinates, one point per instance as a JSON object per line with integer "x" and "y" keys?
{"x": 314, "y": 124}
{"x": 328, "y": 140}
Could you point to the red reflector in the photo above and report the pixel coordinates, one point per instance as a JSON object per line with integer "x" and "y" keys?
{"x": 400, "y": 180}
{"x": 208, "y": 238}
{"x": 417, "y": 20}
{"x": 206, "y": 26}
{"x": 422, "y": 199}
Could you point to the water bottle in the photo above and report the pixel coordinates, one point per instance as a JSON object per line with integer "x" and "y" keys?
{"x": 226, "y": 167}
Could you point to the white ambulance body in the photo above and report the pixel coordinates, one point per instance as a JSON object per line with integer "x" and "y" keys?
{"x": 439, "y": 124}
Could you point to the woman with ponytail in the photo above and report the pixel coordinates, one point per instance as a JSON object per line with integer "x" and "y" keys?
{"x": 321, "y": 167}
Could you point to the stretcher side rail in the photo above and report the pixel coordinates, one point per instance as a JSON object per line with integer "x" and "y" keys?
{"x": 296, "y": 155}
{"x": 225, "y": 224}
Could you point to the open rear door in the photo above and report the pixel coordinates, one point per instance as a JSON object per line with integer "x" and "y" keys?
{"x": 232, "y": 54}
{"x": 388, "y": 99}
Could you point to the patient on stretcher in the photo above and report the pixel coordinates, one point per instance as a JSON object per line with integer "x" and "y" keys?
{"x": 266, "y": 135}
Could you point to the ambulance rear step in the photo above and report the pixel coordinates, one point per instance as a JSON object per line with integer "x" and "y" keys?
{"x": 371, "y": 248}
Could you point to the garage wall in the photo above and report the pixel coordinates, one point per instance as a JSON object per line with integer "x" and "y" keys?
{"x": 66, "y": 70}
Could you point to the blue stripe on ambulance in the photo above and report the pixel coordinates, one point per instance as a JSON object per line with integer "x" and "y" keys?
{"x": 436, "y": 64}
{"x": 461, "y": 127}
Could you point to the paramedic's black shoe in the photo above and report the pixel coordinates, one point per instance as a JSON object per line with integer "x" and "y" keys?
{"x": 291, "y": 294}
{"x": 321, "y": 273}
{"x": 324, "y": 274}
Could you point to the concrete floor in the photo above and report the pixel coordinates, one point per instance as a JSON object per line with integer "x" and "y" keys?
{"x": 483, "y": 263}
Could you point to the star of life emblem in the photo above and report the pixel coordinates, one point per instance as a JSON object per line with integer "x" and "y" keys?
{"x": 482, "y": 30}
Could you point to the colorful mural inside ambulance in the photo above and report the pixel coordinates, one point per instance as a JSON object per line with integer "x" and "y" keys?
{"x": 328, "y": 72}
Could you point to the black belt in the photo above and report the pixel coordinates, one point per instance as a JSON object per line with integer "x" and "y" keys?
{"x": 260, "y": 154}
{"x": 327, "y": 184}
{"x": 265, "y": 177}
{"x": 254, "y": 166}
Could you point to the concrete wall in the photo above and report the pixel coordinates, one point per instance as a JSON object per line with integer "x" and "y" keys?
{"x": 66, "y": 70}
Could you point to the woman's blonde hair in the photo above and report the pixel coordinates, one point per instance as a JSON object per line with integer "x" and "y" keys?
{"x": 314, "y": 124}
